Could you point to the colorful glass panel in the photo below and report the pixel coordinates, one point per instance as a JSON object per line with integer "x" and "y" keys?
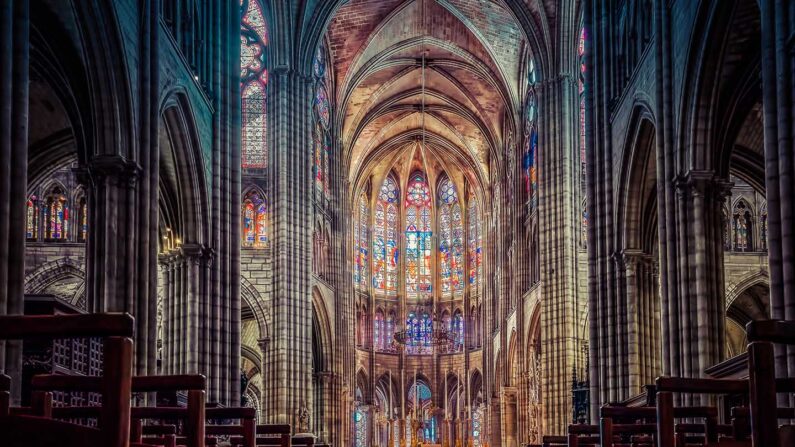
{"x": 477, "y": 427}
{"x": 583, "y": 164}
{"x": 474, "y": 244}
{"x": 378, "y": 338}
{"x": 56, "y": 215}
{"x": 32, "y": 219}
{"x": 361, "y": 244}
{"x": 418, "y": 236}
{"x": 763, "y": 228}
{"x": 360, "y": 426}
{"x": 83, "y": 221}
{"x": 451, "y": 241}
{"x": 385, "y": 243}
{"x": 253, "y": 82}
{"x": 254, "y": 221}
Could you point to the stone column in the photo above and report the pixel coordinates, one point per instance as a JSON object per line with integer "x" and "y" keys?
{"x": 778, "y": 63}
{"x": 289, "y": 173}
{"x": 14, "y": 78}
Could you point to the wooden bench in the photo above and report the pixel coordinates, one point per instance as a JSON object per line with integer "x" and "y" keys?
{"x": 707, "y": 433}
{"x": 620, "y": 426}
{"x": 764, "y": 385}
{"x": 192, "y": 416}
{"x": 242, "y": 434}
{"x": 113, "y": 425}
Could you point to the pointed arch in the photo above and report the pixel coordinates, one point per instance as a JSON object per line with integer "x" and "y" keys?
{"x": 253, "y": 84}
{"x": 385, "y": 237}
{"x": 418, "y": 236}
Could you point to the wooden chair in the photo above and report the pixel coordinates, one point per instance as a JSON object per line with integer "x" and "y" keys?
{"x": 276, "y": 435}
{"x": 709, "y": 433}
{"x": 242, "y": 434}
{"x": 764, "y": 386}
{"x": 583, "y": 435}
{"x": 192, "y": 416}
{"x": 114, "y": 385}
{"x": 627, "y": 426}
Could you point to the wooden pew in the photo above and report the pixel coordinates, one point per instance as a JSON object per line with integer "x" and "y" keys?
{"x": 242, "y": 434}
{"x": 620, "y": 426}
{"x": 708, "y": 433}
{"x": 192, "y": 415}
{"x": 583, "y": 435}
{"x": 114, "y": 386}
{"x": 764, "y": 385}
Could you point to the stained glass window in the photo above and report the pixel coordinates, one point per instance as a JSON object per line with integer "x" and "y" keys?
{"x": 82, "y": 223}
{"x": 360, "y": 426}
{"x": 378, "y": 329}
{"x": 419, "y": 327}
{"x": 56, "y": 215}
{"x": 253, "y": 82}
{"x": 581, "y": 83}
{"x": 361, "y": 242}
{"x": 742, "y": 227}
{"x": 322, "y": 137}
{"x": 385, "y": 243}
{"x": 451, "y": 240}
{"x": 389, "y": 333}
{"x": 457, "y": 330}
{"x": 254, "y": 220}
{"x": 477, "y": 427}
{"x": 763, "y": 228}
{"x": 418, "y": 236}
{"x": 530, "y": 156}
{"x": 32, "y": 218}
{"x": 474, "y": 245}
{"x": 419, "y": 398}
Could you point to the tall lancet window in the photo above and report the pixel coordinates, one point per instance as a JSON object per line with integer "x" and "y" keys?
{"x": 583, "y": 164}
{"x": 742, "y": 227}
{"x": 361, "y": 242}
{"x": 385, "y": 241}
{"x": 763, "y": 227}
{"x": 56, "y": 215}
{"x": 253, "y": 83}
{"x": 418, "y": 236}
{"x": 451, "y": 240}
{"x": 32, "y": 218}
{"x": 530, "y": 157}
{"x": 254, "y": 220}
{"x": 474, "y": 245}
{"x": 82, "y": 220}
{"x": 322, "y": 136}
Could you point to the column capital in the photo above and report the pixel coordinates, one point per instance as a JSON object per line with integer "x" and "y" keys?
{"x": 111, "y": 166}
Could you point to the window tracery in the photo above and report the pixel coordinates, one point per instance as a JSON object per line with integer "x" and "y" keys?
{"x": 385, "y": 244}
{"x": 56, "y": 215}
{"x": 253, "y": 84}
{"x": 530, "y": 156}
{"x": 361, "y": 243}
{"x": 32, "y": 218}
{"x": 742, "y": 227}
{"x": 418, "y": 236}
{"x": 321, "y": 134}
{"x": 254, "y": 220}
{"x": 451, "y": 250}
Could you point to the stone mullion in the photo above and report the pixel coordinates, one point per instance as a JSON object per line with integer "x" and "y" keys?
{"x": 289, "y": 168}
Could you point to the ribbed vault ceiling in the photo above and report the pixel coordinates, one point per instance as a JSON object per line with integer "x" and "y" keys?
{"x": 474, "y": 52}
